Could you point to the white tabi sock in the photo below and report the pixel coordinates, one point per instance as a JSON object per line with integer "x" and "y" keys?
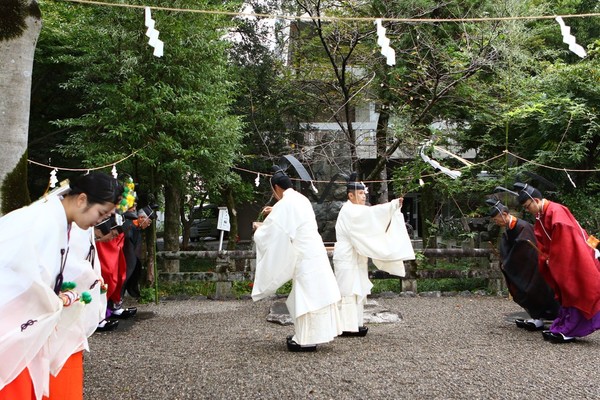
{"x": 537, "y": 322}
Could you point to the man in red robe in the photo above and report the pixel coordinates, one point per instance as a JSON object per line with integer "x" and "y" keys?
{"x": 569, "y": 265}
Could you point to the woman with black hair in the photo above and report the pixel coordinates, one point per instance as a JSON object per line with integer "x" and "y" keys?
{"x": 34, "y": 248}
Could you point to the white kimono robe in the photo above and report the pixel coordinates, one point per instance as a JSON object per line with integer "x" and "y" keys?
{"x": 289, "y": 247}
{"x": 79, "y": 320}
{"x": 377, "y": 232}
{"x": 31, "y": 240}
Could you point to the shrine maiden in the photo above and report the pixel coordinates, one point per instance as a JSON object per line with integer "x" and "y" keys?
{"x": 34, "y": 251}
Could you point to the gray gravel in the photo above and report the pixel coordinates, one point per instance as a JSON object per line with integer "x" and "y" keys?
{"x": 444, "y": 348}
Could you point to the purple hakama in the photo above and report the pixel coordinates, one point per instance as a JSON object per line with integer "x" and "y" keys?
{"x": 571, "y": 322}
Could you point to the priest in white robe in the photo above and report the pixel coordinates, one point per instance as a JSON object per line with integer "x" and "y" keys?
{"x": 362, "y": 232}
{"x": 289, "y": 247}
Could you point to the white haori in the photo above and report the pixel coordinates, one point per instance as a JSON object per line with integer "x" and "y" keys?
{"x": 87, "y": 275}
{"x": 28, "y": 320}
{"x": 31, "y": 240}
{"x": 289, "y": 247}
{"x": 377, "y": 232}
{"x": 79, "y": 320}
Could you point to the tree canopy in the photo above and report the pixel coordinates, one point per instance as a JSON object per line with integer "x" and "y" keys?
{"x": 210, "y": 104}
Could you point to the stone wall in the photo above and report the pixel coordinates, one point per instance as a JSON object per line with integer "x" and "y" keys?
{"x": 326, "y": 215}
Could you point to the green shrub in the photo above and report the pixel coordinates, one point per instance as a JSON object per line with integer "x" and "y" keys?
{"x": 386, "y": 285}
{"x": 285, "y": 289}
{"x": 451, "y": 284}
{"x": 147, "y": 295}
{"x": 244, "y": 288}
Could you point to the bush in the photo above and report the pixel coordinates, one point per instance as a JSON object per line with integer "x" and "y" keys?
{"x": 386, "y": 285}
{"x": 451, "y": 284}
{"x": 242, "y": 289}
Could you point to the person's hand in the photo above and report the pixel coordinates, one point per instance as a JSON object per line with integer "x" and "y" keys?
{"x": 256, "y": 225}
{"x": 108, "y": 237}
{"x": 143, "y": 222}
{"x": 68, "y": 297}
{"x": 266, "y": 210}
{"x": 400, "y": 202}
{"x": 103, "y": 286}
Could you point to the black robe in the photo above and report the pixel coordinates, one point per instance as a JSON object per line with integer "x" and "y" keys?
{"x": 520, "y": 268}
{"x": 132, "y": 250}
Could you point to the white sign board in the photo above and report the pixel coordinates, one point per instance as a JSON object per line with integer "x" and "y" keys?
{"x": 223, "y": 221}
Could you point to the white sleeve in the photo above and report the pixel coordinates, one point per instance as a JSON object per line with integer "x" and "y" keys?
{"x": 275, "y": 259}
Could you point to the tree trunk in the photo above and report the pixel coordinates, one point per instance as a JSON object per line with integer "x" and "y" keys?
{"x": 172, "y": 224}
{"x": 233, "y": 221}
{"x": 427, "y": 214}
{"x": 148, "y": 255}
{"x": 381, "y": 142}
{"x": 21, "y": 25}
{"x": 186, "y": 225}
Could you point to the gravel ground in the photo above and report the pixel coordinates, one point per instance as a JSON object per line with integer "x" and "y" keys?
{"x": 444, "y": 348}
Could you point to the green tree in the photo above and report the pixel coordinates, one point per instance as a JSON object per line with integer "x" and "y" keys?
{"x": 173, "y": 111}
{"x": 435, "y": 64}
{"x": 541, "y": 103}
{"x": 269, "y": 101}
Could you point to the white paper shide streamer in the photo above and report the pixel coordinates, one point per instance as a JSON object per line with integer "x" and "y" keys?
{"x": 153, "y": 34}
{"x": 570, "y": 179}
{"x": 384, "y": 42}
{"x": 53, "y": 178}
{"x": 454, "y": 174}
{"x": 570, "y": 39}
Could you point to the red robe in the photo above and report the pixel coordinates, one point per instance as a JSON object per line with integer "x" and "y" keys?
{"x": 113, "y": 266}
{"x": 566, "y": 261}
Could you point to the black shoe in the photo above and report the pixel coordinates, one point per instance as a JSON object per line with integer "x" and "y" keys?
{"x": 362, "y": 331}
{"x": 110, "y": 325}
{"x": 547, "y": 335}
{"x": 558, "y": 338}
{"x": 520, "y": 322}
{"x": 295, "y": 347}
{"x": 530, "y": 326}
{"x": 127, "y": 313}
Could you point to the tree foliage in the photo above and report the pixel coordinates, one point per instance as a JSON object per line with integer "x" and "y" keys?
{"x": 542, "y": 106}
{"x": 173, "y": 112}
{"x": 488, "y": 87}
{"x": 13, "y": 15}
